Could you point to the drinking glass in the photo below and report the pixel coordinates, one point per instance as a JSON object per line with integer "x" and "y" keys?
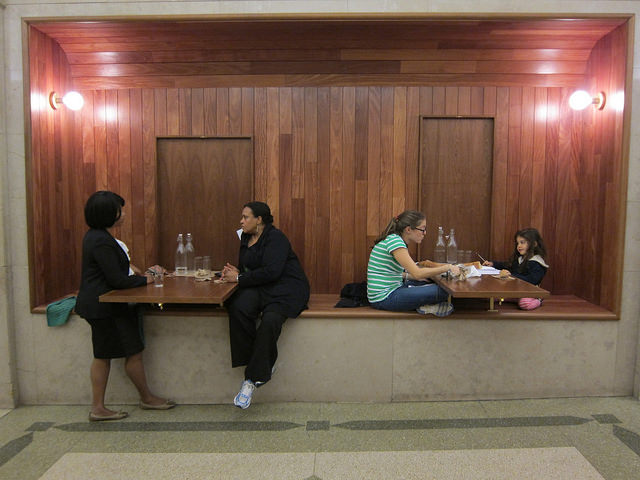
{"x": 198, "y": 263}
{"x": 158, "y": 279}
{"x": 206, "y": 263}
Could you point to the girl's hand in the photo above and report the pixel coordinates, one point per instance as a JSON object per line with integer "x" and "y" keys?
{"x": 149, "y": 278}
{"x": 487, "y": 263}
{"x": 455, "y": 270}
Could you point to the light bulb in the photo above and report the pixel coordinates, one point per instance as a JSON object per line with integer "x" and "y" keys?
{"x": 579, "y": 100}
{"x": 73, "y": 100}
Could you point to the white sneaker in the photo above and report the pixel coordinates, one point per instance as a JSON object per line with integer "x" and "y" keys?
{"x": 441, "y": 309}
{"x": 243, "y": 398}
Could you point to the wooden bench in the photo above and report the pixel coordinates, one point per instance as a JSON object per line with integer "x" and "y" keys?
{"x": 565, "y": 307}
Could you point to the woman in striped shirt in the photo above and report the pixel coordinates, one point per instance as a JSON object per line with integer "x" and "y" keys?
{"x": 394, "y": 280}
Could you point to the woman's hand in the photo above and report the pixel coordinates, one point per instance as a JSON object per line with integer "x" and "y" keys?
{"x": 230, "y": 273}
{"x": 455, "y": 270}
{"x": 149, "y": 277}
{"x": 487, "y": 263}
{"x": 156, "y": 269}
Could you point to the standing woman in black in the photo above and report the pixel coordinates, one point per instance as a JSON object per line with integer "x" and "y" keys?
{"x": 115, "y": 331}
{"x": 272, "y": 288}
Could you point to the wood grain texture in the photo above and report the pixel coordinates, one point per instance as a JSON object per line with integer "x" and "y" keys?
{"x": 389, "y": 51}
{"x": 336, "y": 162}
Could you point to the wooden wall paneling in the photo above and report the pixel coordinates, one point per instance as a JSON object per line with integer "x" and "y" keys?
{"x": 260, "y": 144}
{"x": 199, "y": 168}
{"x": 323, "y": 189}
{"x": 336, "y": 189}
{"x": 464, "y": 101}
{"x": 285, "y": 166}
{"x": 526, "y": 159}
{"x": 426, "y": 100}
{"x": 361, "y": 207}
{"x": 347, "y": 227}
{"x": 310, "y": 183}
{"x": 272, "y": 150}
{"x": 489, "y": 100}
{"x": 439, "y": 97}
{"x": 298, "y": 224}
{"x": 386, "y": 156}
{"x": 566, "y": 199}
{"x": 100, "y": 138}
{"x": 124, "y": 165}
{"x": 451, "y": 100}
{"x": 210, "y": 112}
{"x": 197, "y": 112}
{"x": 88, "y": 146}
{"x": 77, "y": 201}
{"x": 513, "y": 168}
{"x": 539, "y": 159}
{"x": 608, "y": 69}
{"x": 235, "y": 111}
{"x": 69, "y": 186}
{"x": 476, "y": 101}
{"x": 184, "y": 109}
{"x": 152, "y": 254}
{"x": 552, "y": 155}
{"x": 455, "y": 153}
{"x": 247, "y": 111}
{"x": 412, "y": 126}
{"x": 297, "y": 146}
{"x": 500, "y": 172}
{"x": 399, "y": 198}
{"x": 223, "y": 126}
{"x": 33, "y": 161}
{"x": 173, "y": 112}
{"x": 137, "y": 199}
{"x": 113, "y": 166}
{"x": 375, "y": 220}
{"x": 50, "y": 134}
{"x": 161, "y": 124}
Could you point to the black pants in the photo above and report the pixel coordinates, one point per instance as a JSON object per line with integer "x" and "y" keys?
{"x": 253, "y": 345}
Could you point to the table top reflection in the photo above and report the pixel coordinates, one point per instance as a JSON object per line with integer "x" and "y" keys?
{"x": 174, "y": 290}
{"x": 487, "y": 286}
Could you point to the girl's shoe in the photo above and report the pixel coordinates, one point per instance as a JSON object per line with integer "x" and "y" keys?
{"x": 529, "y": 303}
{"x": 441, "y": 309}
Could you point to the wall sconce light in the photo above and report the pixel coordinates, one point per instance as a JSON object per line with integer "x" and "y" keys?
{"x": 579, "y": 100}
{"x": 72, "y": 100}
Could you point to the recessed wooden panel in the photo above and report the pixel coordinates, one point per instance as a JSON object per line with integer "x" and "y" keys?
{"x": 202, "y": 185}
{"x": 456, "y": 163}
{"x": 337, "y": 154}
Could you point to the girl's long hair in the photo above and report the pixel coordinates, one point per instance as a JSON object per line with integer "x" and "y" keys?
{"x": 536, "y": 246}
{"x": 408, "y": 218}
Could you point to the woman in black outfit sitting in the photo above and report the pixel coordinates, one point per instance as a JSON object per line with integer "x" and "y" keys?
{"x": 272, "y": 287}
{"x": 115, "y": 328}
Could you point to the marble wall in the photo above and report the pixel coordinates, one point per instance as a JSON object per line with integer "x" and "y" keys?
{"x": 460, "y": 359}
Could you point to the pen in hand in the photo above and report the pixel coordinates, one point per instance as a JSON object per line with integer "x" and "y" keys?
{"x": 483, "y": 260}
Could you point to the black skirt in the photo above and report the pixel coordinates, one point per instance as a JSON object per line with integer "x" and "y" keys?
{"x": 118, "y": 336}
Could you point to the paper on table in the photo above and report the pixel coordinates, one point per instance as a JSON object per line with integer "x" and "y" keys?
{"x": 489, "y": 271}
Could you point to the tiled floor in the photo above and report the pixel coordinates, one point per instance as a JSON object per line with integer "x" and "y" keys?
{"x": 582, "y": 438}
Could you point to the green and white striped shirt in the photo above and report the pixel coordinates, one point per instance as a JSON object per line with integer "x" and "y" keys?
{"x": 384, "y": 273}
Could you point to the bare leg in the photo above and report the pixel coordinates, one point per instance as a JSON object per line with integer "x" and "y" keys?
{"x": 134, "y": 367}
{"x": 99, "y": 372}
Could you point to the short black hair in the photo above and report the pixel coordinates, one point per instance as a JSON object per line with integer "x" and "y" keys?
{"x": 103, "y": 209}
{"x": 261, "y": 209}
